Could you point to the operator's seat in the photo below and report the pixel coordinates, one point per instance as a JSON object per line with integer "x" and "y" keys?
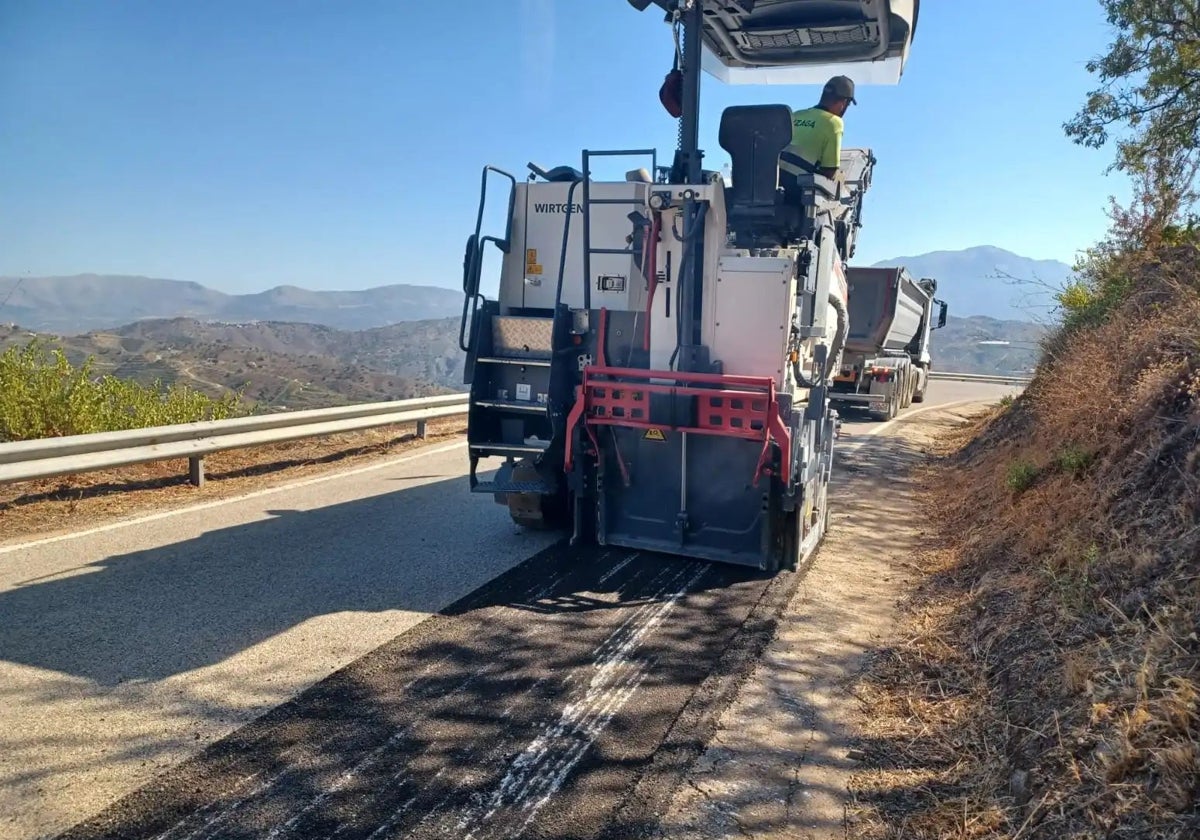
{"x": 761, "y": 213}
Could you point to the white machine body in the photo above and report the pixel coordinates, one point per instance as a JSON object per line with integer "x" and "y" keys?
{"x": 751, "y": 301}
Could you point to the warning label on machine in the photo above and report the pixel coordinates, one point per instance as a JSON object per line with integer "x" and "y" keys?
{"x": 654, "y": 434}
{"x": 531, "y": 263}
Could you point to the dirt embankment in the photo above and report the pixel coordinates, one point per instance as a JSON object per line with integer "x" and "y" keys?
{"x": 1048, "y": 679}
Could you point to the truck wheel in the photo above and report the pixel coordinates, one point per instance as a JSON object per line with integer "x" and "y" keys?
{"x": 908, "y": 388}
{"x": 919, "y": 395}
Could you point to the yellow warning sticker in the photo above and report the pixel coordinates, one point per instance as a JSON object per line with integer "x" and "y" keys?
{"x": 531, "y": 256}
{"x": 654, "y": 434}
{"x": 533, "y": 268}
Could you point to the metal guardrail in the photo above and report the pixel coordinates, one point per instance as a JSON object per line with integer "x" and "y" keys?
{"x": 49, "y": 457}
{"x": 980, "y": 377}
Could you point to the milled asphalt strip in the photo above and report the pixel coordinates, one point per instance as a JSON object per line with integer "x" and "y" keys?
{"x": 268, "y": 491}
{"x": 539, "y": 711}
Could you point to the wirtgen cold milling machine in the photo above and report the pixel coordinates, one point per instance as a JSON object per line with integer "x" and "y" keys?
{"x": 656, "y": 370}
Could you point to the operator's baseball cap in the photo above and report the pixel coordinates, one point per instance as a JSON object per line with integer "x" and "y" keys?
{"x": 842, "y": 86}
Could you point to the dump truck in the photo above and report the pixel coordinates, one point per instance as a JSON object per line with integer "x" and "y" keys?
{"x": 655, "y": 370}
{"x": 886, "y": 359}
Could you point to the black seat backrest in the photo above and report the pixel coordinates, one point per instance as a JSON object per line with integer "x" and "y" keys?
{"x": 754, "y": 135}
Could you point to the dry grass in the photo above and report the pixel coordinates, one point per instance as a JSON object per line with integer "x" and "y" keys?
{"x": 1048, "y": 681}
{"x": 38, "y": 508}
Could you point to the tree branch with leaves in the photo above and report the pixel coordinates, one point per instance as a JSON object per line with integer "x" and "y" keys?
{"x": 1149, "y": 83}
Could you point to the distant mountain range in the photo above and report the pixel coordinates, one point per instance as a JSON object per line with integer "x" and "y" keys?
{"x": 990, "y": 281}
{"x": 975, "y": 281}
{"x": 84, "y": 302}
{"x": 276, "y": 365}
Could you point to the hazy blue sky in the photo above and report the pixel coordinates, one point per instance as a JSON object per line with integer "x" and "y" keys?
{"x": 338, "y": 145}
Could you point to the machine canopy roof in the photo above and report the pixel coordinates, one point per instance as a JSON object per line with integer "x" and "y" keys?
{"x": 798, "y": 42}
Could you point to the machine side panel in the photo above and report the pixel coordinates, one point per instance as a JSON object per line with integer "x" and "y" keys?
{"x": 752, "y": 310}
{"x": 531, "y": 270}
{"x": 664, "y": 311}
{"x": 512, "y": 271}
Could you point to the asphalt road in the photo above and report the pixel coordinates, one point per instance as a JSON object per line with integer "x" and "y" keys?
{"x": 264, "y": 667}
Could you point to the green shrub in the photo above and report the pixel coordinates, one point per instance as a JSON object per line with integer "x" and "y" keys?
{"x": 1021, "y": 476}
{"x": 43, "y": 395}
{"x": 1074, "y": 460}
{"x": 1102, "y": 283}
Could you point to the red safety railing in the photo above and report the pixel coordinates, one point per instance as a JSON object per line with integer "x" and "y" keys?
{"x": 740, "y": 406}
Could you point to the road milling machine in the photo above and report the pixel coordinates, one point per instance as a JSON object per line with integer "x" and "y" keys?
{"x": 656, "y": 370}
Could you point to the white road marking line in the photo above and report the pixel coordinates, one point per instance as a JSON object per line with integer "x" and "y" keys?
{"x": 542, "y": 767}
{"x": 283, "y": 488}
{"x": 467, "y": 817}
{"x": 604, "y": 578}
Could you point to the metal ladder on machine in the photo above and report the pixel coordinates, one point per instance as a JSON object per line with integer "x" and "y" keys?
{"x": 588, "y": 203}
{"x": 504, "y": 387}
{"x": 511, "y": 387}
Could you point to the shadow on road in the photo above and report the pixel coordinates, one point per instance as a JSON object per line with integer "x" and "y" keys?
{"x": 516, "y": 659}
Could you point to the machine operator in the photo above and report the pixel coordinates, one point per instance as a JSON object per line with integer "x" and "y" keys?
{"x": 816, "y": 145}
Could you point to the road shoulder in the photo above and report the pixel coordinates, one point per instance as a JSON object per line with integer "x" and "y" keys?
{"x": 780, "y": 761}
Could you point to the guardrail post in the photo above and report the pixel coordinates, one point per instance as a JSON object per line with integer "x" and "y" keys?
{"x": 422, "y": 429}
{"x": 196, "y": 470}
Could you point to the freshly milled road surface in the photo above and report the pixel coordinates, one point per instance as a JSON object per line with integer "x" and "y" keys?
{"x": 563, "y": 699}
{"x": 539, "y": 705}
